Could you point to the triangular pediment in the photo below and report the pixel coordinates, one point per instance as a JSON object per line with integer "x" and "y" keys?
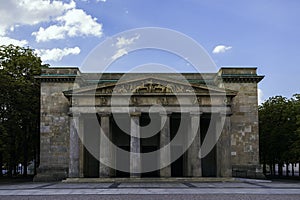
{"x": 149, "y": 85}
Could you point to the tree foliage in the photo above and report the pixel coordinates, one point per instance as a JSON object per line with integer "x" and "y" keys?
{"x": 19, "y": 106}
{"x": 279, "y": 123}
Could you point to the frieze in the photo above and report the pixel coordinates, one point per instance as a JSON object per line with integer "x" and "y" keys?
{"x": 197, "y": 100}
{"x": 162, "y": 101}
{"x": 103, "y": 101}
{"x": 149, "y": 86}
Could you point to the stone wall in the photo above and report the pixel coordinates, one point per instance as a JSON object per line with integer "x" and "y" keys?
{"x": 244, "y": 120}
{"x": 54, "y": 126}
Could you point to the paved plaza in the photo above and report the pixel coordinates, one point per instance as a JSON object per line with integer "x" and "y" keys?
{"x": 239, "y": 189}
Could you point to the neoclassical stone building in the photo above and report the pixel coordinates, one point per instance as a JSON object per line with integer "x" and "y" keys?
{"x": 79, "y": 110}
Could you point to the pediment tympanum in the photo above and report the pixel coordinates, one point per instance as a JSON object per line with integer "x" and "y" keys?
{"x": 149, "y": 85}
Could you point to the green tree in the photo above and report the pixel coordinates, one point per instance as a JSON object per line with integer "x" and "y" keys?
{"x": 294, "y": 151}
{"x": 279, "y": 138}
{"x": 19, "y": 106}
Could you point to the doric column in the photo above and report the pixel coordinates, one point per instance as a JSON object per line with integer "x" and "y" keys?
{"x": 81, "y": 146}
{"x": 74, "y": 146}
{"x": 194, "y": 155}
{"x": 224, "y": 167}
{"x": 165, "y": 153}
{"x": 105, "y": 149}
{"x": 135, "y": 146}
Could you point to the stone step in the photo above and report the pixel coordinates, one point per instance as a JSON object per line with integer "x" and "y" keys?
{"x": 148, "y": 180}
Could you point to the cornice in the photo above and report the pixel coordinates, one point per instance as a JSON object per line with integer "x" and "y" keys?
{"x": 240, "y": 78}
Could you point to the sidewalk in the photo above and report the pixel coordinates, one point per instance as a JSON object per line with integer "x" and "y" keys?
{"x": 244, "y": 186}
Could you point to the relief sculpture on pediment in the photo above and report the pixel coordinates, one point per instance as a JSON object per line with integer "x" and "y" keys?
{"x": 120, "y": 89}
{"x": 150, "y": 87}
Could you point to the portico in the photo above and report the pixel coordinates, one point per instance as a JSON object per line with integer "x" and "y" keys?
{"x": 174, "y": 108}
{"x": 191, "y": 164}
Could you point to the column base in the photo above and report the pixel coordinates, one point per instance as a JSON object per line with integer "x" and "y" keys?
{"x": 105, "y": 172}
{"x": 48, "y": 174}
{"x": 135, "y": 175}
{"x": 248, "y": 171}
{"x": 165, "y": 172}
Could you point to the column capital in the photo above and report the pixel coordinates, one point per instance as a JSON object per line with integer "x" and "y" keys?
{"x": 225, "y": 114}
{"x": 135, "y": 114}
{"x": 104, "y": 114}
{"x": 74, "y": 114}
{"x": 167, "y": 113}
{"x": 196, "y": 113}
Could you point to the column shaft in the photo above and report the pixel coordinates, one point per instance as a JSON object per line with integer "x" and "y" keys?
{"x": 74, "y": 146}
{"x": 194, "y": 154}
{"x": 81, "y": 146}
{"x": 105, "y": 149}
{"x": 165, "y": 151}
{"x": 135, "y": 156}
{"x": 224, "y": 167}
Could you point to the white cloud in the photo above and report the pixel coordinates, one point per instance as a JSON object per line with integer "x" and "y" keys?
{"x": 7, "y": 41}
{"x": 122, "y": 45}
{"x": 119, "y": 53}
{"x": 74, "y": 22}
{"x": 53, "y": 32}
{"x": 30, "y": 12}
{"x": 221, "y": 49}
{"x": 125, "y": 42}
{"x": 56, "y": 54}
{"x": 2, "y": 30}
{"x": 95, "y": 0}
{"x": 260, "y": 95}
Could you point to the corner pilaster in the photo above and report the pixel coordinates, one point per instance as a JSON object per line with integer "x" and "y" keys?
{"x": 74, "y": 145}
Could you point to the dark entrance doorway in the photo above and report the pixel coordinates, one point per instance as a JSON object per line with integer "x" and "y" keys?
{"x": 177, "y": 167}
{"x": 209, "y": 164}
{"x": 91, "y": 147}
{"x": 121, "y": 139}
{"x": 149, "y": 144}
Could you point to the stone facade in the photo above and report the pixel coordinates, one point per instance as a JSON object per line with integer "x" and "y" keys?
{"x": 54, "y": 127}
{"x": 244, "y": 120}
{"x": 68, "y": 97}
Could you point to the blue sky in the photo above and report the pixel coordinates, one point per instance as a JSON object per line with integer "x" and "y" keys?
{"x": 260, "y": 33}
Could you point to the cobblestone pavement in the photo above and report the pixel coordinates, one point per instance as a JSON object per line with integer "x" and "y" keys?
{"x": 246, "y": 189}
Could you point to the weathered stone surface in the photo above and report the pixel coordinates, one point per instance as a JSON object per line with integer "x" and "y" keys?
{"x": 244, "y": 119}
{"x": 165, "y": 154}
{"x": 135, "y": 145}
{"x": 224, "y": 164}
{"x": 194, "y": 159}
{"x": 105, "y": 149}
{"x": 238, "y": 144}
{"x": 54, "y": 129}
{"x": 74, "y": 146}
